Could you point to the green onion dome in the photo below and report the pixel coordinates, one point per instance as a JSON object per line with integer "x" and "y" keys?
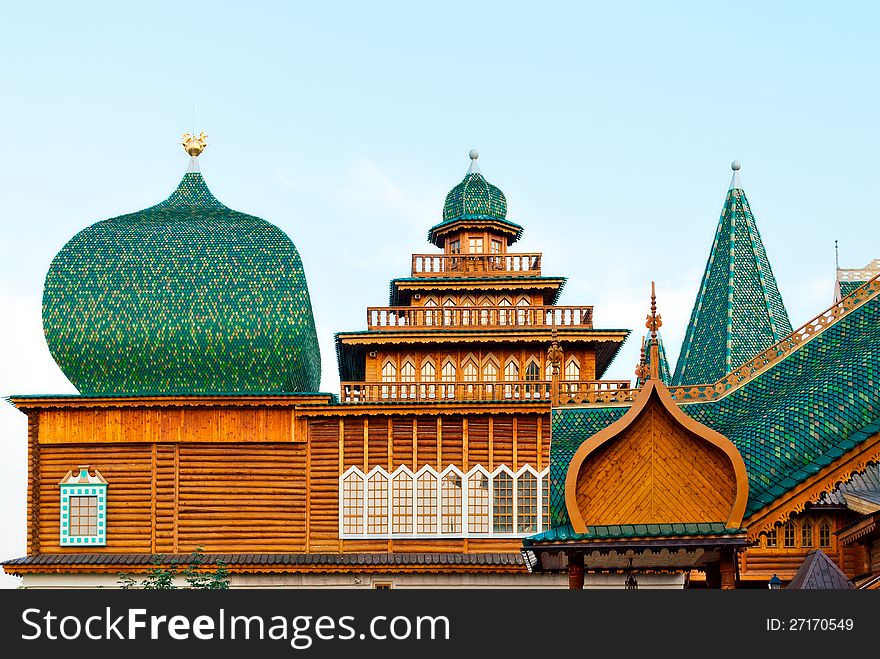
{"x": 474, "y": 201}
{"x": 185, "y": 297}
{"x": 474, "y": 198}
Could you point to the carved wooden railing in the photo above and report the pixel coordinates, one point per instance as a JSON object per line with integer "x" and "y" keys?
{"x": 772, "y": 355}
{"x": 502, "y": 390}
{"x": 389, "y": 318}
{"x": 476, "y": 265}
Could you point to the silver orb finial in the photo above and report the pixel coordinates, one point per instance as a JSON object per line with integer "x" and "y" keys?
{"x": 474, "y": 154}
{"x": 735, "y": 165}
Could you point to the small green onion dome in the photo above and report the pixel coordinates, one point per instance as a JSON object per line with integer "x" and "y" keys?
{"x": 475, "y": 199}
{"x": 185, "y": 297}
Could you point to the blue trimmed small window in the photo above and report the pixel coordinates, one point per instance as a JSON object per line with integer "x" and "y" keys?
{"x": 83, "y": 508}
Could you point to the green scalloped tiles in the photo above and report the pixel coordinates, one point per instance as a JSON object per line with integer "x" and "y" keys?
{"x": 187, "y": 296}
{"x": 738, "y": 311}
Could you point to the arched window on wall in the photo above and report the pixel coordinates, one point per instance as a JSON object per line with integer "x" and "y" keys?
{"x": 788, "y": 533}
{"x": 428, "y": 388}
{"x": 377, "y": 503}
{"x": 533, "y": 374}
{"x": 426, "y": 502}
{"x": 430, "y": 311}
{"x": 469, "y": 375}
{"x": 824, "y": 534}
{"x": 389, "y": 375}
{"x": 572, "y": 369}
{"x": 502, "y": 503}
{"x": 450, "y": 503}
{"x": 807, "y": 534}
{"x": 468, "y": 317}
{"x": 523, "y": 314}
{"x": 527, "y": 503}
{"x": 402, "y": 502}
{"x": 511, "y": 374}
{"x": 771, "y": 541}
{"x": 485, "y": 317}
{"x": 478, "y": 502}
{"x": 505, "y": 316}
{"x": 449, "y": 318}
{"x": 408, "y": 374}
{"x": 353, "y": 503}
{"x": 448, "y": 375}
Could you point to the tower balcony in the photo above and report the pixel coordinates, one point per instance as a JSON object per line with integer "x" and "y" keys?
{"x": 478, "y": 317}
{"x": 476, "y": 265}
{"x": 493, "y": 391}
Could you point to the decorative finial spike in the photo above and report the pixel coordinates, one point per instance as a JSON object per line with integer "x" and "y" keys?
{"x": 836, "y": 256}
{"x": 654, "y": 323}
{"x": 194, "y": 145}
{"x": 474, "y": 168}
{"x": 735, "y": 183}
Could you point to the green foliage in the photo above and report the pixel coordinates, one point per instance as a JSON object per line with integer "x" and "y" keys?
{"x": 162, "y": 578}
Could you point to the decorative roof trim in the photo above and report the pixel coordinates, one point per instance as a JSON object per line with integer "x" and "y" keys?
{"x": 701, "y": 393}
{"x": 611, "y": 432}
{"x": 809, "y": 491}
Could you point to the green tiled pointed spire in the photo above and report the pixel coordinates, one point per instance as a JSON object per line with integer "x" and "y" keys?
{"x": 185, "y": 297}
{"x": 739, "y": 311}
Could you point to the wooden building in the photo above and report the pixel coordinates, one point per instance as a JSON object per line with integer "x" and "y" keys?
{"x": 473, "y": 442}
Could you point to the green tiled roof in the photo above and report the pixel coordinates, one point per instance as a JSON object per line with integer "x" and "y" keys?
{"x": 738, "y": 311}
{"x": 185, "y": 297}
{"x": 847, "y": 287}
{"x": 788, "y": 422}
{"x": 664, "y": 373}
{"x": 610, "y": 532}
{"x": 474, "y": 199}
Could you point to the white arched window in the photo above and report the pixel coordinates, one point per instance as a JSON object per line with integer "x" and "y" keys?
{"x": 572, "y": 369}
{"x": 505, "y": 316}
{"x": 426, "y": 502}
{"x": 408, "y": 374}
{"x": 511, "y": 374}
{"x": 428, "y": 389}
{"x": 478, "y": 502}
{"x": 468, "y": 317}
{"x": 377, "y": 503}
{"x": 430, "y": 311}
{"x": 824, "y": 534}
{"x": 523, "y": 315}
{"x": 448, "y": 313}
{"x": 402, "y": 502}
{"x": 447, "y": 375}
{"x": 533, "y": 374}
{"x": 450, "y": 506}
{"x": 353, "y": 503}
{"x": 527, "y": 503}
{"x": 490, "y": 368}
{"x": 502, "y": 503}
{"x": 469, "y": 370}
{"x": 389, "y": 372}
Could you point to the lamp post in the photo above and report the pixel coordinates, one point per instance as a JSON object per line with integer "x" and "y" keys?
{"x": 775, "y": 583}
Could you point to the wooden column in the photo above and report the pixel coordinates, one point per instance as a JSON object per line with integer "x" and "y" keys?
{"x": 576, "y": 571}
{"x": 33, "y": 496}
{"x": 728, "y": 569}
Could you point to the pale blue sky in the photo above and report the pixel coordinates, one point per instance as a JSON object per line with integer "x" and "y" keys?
{"x": 610, "y": 127}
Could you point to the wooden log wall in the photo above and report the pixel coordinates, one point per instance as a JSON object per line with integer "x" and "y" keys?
{"x": 414, "y": 441}
{"x": 255, "y": 496}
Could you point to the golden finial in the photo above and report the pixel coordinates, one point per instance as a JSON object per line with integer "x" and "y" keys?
{"x": 554, "y": 353}
{"x": 194, "y": 145}
{"x": 653, "y": 322}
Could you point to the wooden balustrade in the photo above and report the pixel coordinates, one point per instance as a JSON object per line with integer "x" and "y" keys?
{"x": 387, "y": 318}
{"x": 476, "y": 265}
{"x": 501, "y": 390}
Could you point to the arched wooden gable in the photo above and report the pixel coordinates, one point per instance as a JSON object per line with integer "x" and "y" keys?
{"x": 656, "y": 465}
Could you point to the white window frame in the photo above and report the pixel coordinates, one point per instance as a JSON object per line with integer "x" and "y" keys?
{"x": 542, "y": 479}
